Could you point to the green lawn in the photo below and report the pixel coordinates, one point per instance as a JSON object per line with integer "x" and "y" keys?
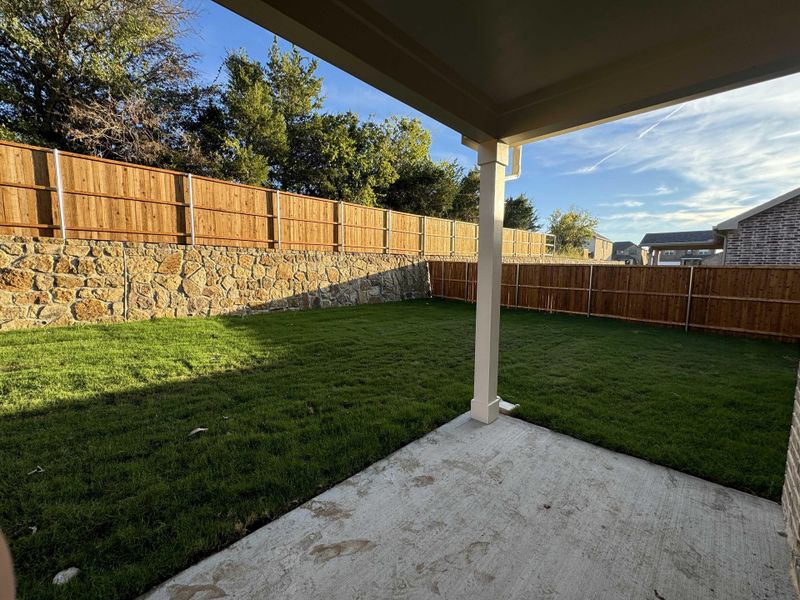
{"x": 295, "y": 402}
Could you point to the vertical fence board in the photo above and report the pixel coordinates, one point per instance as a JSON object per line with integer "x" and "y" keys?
{"x": 437, "y": 236}
{"x": 406, "y": 233}
{"x": 308, "y": 223}
{"x": 466, "y": 243}
{"x": 27, "y": 196}
{"x": 365, "y": 228}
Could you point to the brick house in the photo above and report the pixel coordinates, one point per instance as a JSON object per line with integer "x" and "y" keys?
{"x": 768, "y": 234}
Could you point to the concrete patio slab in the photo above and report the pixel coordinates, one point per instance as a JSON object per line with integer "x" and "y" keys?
{"x": 508, "y": 510}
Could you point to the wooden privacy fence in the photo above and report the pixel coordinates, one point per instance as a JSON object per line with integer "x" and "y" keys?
{"x": 753, "y": 301}
{"x": 50, "y": 193}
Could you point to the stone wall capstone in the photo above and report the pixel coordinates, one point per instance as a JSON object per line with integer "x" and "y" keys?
{"x": 46, "y": 282}
{"x": 790, "y": 500}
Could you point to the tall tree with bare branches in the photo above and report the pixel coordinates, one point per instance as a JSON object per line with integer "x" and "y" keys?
{"x": 99, "y": 76}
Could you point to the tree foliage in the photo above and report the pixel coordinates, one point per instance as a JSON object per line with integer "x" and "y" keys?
{"x": 572, "y": 228}
{"x": 68, "y": 65}
{"x": 428, "y": 188}
{"x": 256, "y": 130}
{"x": 338, "y": 156}
{"x": 521, "y": 214}
{"x": 277, "y": 134}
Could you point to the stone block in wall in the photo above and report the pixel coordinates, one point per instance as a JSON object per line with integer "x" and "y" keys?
{"x": 91, "y": 310}
{"x": 16, "y": 280}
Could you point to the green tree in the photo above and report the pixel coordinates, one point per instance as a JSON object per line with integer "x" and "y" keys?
{"x": 295, "y": 87}
{"x": 257, "y": 137}
{"x": 272, "y": 120}
{"x": 206, "y": 137}
{"x": 72, "y": 67}
{"x": 410, "y": 142}
{"x": 425, "y": 188}
{"x": 520, "y": 214}
{"x": 337, "y": 156}
{"x": 422, "y": 185}
{"x": 467, "y": 199}
{"x": 572, "y": 228}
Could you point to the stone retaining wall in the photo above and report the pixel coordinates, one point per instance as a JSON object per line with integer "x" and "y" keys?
{"x": 45, "y": 282}
{"x": 790, "y": 500}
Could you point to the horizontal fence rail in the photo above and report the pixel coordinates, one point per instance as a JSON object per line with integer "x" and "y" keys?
{"x": 61, "y": 194}
{"x": 751, "y": 301}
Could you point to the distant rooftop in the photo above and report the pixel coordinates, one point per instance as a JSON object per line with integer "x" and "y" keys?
{"x": 707, "y": 238}
{"x": 620, "y": 246}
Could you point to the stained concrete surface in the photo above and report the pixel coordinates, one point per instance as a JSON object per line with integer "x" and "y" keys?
{"x": 509, "y": 510}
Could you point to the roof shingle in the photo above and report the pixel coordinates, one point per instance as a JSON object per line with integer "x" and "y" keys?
{"x": 679, "y": 237}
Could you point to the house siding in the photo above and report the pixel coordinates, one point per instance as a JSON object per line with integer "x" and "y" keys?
{"x": 771, "y": 237}
{"x": 601, "y": 249}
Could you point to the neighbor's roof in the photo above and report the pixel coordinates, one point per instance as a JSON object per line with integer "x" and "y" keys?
{"x": 670, "y": 238}
{"x": 620, "y": 246}
{"x": 733, "y": 223}
{"x": 520, "y": 70}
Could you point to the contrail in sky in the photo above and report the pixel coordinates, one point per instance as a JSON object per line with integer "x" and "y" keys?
{"x": 642, "y": 133}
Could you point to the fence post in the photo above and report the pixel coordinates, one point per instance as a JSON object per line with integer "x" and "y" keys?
{"x": 589, "y": 300}
{"x": 190, "y": 187}
{"x": 466, "y": 281}
{"x": 689, "y": 298}
{"x": 453, "y": 237}
{"x": 278, "y": 219}
{"x": 424, "y": 231}
{"x": 341, "y": 226}
{"x": 476, "y": 240}
{"x": 389, "y": 231}
{"x": 516, "y": 289}
{"x": 513, "y": 242}
{"x": 59, "y": 193}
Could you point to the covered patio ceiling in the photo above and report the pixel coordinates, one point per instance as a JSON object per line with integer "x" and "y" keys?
{"x": 519, "y": 71}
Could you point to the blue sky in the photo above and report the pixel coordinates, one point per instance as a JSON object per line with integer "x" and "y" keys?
{"x": 679, "y": 168}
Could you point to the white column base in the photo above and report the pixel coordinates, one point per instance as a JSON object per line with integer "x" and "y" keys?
{"x": 483, "y": 412}
{"x": 506, "y": 408}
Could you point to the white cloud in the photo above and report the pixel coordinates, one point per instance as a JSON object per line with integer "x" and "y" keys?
{"x": 625, "y": 203}
{"x": 733, "y": 150}
{"x": 664, "y": 190}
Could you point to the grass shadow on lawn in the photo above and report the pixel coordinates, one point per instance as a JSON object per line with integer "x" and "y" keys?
{"x": 130, "y": 499}
{"x": 295, "y": 402}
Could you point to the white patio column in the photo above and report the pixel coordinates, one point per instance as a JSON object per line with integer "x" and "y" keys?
{"x": 492, "y": 158}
